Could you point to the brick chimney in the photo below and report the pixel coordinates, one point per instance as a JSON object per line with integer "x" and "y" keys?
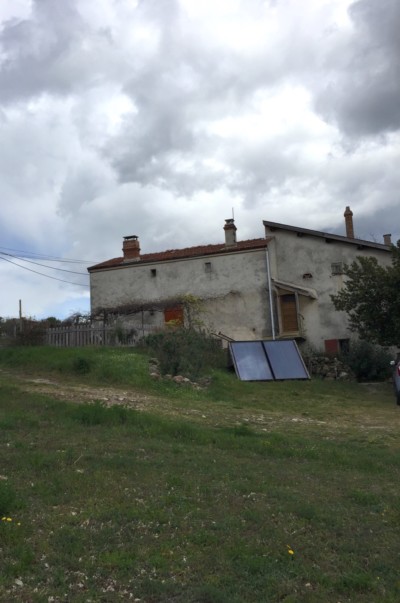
{"x": 230, "y": 233}
{"x": 387, "y": 239}
{"x": 348, "y": 218}
{"x": 131, "y": 249}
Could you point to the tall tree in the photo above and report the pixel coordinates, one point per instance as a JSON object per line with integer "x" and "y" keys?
{"x": 371, "y": 299}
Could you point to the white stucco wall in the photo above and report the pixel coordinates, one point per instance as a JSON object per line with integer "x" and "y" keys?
{"x": 293, "y": 256}
{"x": 234, "y": 292}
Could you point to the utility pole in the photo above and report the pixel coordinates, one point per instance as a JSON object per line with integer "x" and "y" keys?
{"x": 20, "y": 315}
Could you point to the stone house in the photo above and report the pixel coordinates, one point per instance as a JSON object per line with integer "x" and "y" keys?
{"x": 225, "y": 285}
{"x": 278, "y": 286}
{"x": 306, "y": 269}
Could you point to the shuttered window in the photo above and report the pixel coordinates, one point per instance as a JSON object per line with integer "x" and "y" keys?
{"x": 331, "y": 346}
{"x": 289, "y": 313}
{"x": 174, "y": 315}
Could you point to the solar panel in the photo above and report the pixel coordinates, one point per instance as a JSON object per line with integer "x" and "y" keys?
{"x": 285, "y": 360}
{"x": 267, "y": 360}
{"x": 250, "y": 361}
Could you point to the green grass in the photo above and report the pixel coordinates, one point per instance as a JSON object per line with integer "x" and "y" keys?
{"x": 94, "y": 365}
{"x": 198, "y": 499}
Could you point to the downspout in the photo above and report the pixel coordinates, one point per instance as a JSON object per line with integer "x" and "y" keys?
{"x": 270, "y": 294}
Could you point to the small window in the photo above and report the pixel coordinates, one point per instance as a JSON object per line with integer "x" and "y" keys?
{"x": 153, "y": 272}
{"x": 337, "y": 268}
{"x": 174, "y": 316}
{"x": 336, "y": 346}
{"x": 207, "y": 267}
{"x": 331, "y": 347}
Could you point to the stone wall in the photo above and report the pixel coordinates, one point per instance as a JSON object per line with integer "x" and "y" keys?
{"x": 328, "y": 367}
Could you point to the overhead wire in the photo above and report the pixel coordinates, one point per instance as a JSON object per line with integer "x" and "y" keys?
{"x": 49, "y": 258}
{"x": 41, "y": 273}
{"x": 43, "y": 265}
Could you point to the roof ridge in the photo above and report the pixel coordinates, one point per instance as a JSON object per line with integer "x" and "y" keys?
{"x": 222, "y": 245}
{"x": 187, "y": 252}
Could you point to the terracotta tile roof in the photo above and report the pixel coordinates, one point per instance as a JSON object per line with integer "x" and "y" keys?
{"x": 187, "y": 252}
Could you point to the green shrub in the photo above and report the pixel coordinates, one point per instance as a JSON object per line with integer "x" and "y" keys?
{"x": 31, "y": 333}
{"x": 368, "y": 362}
{"x": 186, "y": 352}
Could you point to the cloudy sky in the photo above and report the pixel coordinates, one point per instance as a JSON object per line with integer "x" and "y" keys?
{"x": 162, "y": 117}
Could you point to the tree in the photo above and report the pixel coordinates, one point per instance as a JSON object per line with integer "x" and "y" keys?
{"x": 77, "y": 318}
{"x": 371, "y": 299}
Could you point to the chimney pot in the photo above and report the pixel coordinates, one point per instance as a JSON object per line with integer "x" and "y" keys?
{"x": 387, "y": 239}
{"x": 131, "y": 248}
{"x": 230, "y": 233}
{"x": 348, "y": 218}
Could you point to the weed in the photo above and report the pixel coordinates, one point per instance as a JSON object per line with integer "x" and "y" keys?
{"x": 99, "y": 414}
{"x": 81, "y": 365}
{"x": 243, "y": 430}
{"x": 8, "y": 498}
{"x": 211, "y": 594}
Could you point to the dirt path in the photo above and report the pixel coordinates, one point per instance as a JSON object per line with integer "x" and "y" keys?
{"x": 82, "y": 393}
{"x": 380, "y": 421}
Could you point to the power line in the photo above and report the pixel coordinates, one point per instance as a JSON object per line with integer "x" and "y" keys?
{"x": 41, "y": 273}
{"x": 50, "y": 258}
{"x": 43, "y": 265}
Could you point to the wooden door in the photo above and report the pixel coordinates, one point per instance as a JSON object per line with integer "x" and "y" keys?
{"x": 289, "y": 313}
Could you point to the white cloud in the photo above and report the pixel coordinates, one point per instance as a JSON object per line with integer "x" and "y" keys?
{"x": 159, "y": 118}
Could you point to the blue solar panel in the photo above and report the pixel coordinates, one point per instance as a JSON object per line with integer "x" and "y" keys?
{"x": 250, "y": 361}
{"x": 285, "y": 360}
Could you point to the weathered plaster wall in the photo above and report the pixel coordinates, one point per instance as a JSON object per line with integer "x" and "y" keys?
{"x": 293, "y": 256}
{"x": 233, "y": 286}
{"x": 233, "y": 290}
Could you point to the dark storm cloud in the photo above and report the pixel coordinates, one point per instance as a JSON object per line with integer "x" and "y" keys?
{"x": 363, "y": 90}
{"x": 54, "y": 52}
{"x": 35, "y": 51}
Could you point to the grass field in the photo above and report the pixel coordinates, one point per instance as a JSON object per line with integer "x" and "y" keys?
{"x": 257, "y": 492}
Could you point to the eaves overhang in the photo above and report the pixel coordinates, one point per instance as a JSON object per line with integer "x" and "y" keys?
{"x": 327, "y": 236}
{"x": 293, "y": 288}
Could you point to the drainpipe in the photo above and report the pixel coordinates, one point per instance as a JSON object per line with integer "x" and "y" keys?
{"x": 270, "y": 294}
